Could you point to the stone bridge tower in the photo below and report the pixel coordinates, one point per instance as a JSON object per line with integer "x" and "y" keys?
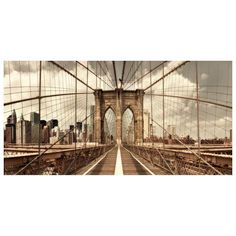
{"x": 118, "y": 100}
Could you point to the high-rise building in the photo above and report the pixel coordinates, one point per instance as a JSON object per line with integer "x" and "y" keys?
{"x": 36, "y": 132}
{"x": 45, "y": 134}
{"x": 53, "y": 140}
{"x": 54, "y": 123}
{"x": 11, "y": 128}
{"x": 91, "y": 125}
{"x": 34, "y": 118}
{"x": 154, "y": 130}
{"x": 23, "y": 131}
{"x": 171, "y": 131}
{"x": 12, "y": 119}
{"x": 43, "y": 123}
{"x": 10, "y": 133}
{"x": 146, "y": 124}
{"x": 79, "y": 126}
{"x": 68, "y": 139}
{"x": 35, "y": 126}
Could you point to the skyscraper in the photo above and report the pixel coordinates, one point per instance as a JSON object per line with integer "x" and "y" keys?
{"x": 146, "y": 124}
{"x": 45, "y": 134}
{"x": 91, "y": 125}
{"x": 23, "y": 131}
{"x": 34, "y": 117}
{"x": 35, "y": 127}
{"x": 10, "y": 133}
{"x": 11, "y": 128}
{"x": 12, "y": 119}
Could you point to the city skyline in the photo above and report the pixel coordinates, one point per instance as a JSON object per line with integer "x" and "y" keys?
{"x": 215, "y": 85}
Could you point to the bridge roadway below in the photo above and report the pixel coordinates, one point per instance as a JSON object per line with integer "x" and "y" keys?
{"x": 116, "y": 160}
{"x": 119, "y": 161}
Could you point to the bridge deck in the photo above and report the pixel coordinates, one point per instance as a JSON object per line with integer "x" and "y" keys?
{"x": 121, "y": 162}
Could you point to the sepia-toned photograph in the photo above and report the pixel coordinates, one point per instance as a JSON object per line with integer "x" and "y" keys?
{"x": 117, "y": 118}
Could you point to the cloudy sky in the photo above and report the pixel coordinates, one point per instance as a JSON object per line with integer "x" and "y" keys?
{"x": 21, "y": 80}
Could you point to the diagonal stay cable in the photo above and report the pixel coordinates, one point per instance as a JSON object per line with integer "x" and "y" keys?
{"x": 125, "y": 79}
{"x": 156, "y": 67}
{"x": 171, "y": 71}
{"x": 105, "y": 72}
{"x": 165, "y": 161}
{"x": 94, "y": 74}
{"x": 131, "y": 77}
{"x": 114, "y": 68}
{"x": 110, "y": 79}
{"x": 62, "y": 68}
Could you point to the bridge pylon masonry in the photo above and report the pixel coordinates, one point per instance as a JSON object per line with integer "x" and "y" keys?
{"x": 118, "y": 100}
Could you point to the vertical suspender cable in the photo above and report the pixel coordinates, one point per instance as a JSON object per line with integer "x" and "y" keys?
{"x": 96, "y": 76}
{"x": 75, "y": 128}
{"x": 141, "y": 75}
{"x": 151, "y": 106}
{"x": 197, "y": 93}
{"x": 163, "y": 106}
{"x": 39, "y": 126}
{"x": 86, "y": 121}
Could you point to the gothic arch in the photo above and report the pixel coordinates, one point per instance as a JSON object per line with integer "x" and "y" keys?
{"x": 106, "y": 109}
{"x": 119, "y": 101}
{"x": 108, "y": 133}
{"x": 128, "y": 125}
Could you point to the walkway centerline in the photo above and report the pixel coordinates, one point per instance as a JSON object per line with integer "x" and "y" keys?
{"x": 118, "y": 167}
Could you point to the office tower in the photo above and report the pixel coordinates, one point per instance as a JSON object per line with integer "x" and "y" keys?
{"x": 12, "y": 119}
{"x": 43, "y": 123}
{"x": 79, "y": 126}
{"x": 91, "y": 125}
{"x": 146, "y": 124}
{"x": 23, "y": 131}
{"x": 35, "y": 127}
{"x": 68, "y": 139}
{"x": 45, "y": 134}
{"x": 10, "y": 133}
{"x": 11, "y": 128}
{"x": 54, "y": 123}
{"x": 34, "y": 117}
{"x": 36, "y": 132}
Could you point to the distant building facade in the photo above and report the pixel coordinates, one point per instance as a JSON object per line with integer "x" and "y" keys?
{"x": 23, "y": 131}
{"x": 146, "y": 124}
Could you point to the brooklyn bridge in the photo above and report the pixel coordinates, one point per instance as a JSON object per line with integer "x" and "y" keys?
{"x": 117, "y": 118}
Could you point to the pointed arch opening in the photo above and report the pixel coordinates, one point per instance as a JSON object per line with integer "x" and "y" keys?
{"x": 128, "y": 132}
{"x": 109, "y": 126}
